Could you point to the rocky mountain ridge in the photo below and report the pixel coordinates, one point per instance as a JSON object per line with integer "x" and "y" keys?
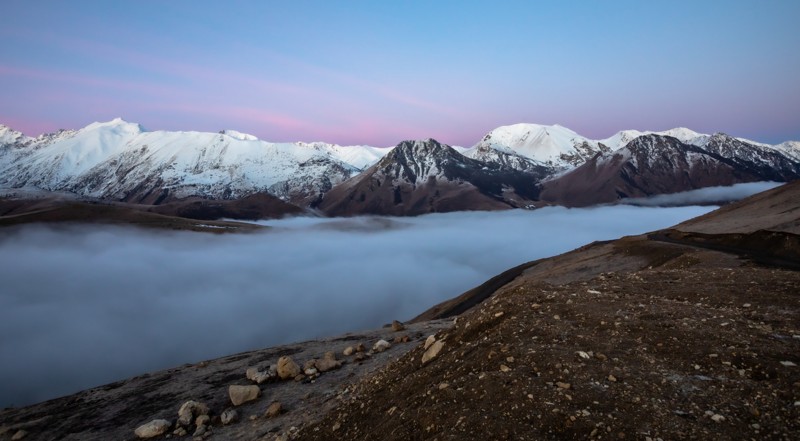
{"x": 522, "y": 165}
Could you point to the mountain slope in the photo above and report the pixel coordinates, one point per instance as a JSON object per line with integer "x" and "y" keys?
{"x": 419, "y": 177}
{"x": 633, "y": 338}
{"x": 655, "y": 164}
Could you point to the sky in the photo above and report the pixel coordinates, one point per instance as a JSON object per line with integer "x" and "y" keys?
{"x": 104, "y": 304}
{"x": 378, "y": 72}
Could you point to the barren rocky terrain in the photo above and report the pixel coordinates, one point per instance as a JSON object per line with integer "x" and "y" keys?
{"x": 686, "y": 333}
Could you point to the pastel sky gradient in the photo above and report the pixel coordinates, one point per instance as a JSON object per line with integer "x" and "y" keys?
{"x": 378, "y": 72}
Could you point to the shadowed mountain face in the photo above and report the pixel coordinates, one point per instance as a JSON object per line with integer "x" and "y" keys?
{"x": 654, "y": 164}
{"x": 420, "y": 177}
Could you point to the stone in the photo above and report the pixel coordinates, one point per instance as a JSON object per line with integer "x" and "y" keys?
{"x": 717, "y": 418}
{"x": 189, "y": 410}
{"x": 397, "y": 326}
{"x": 310, "y": 372}
{"x": 360, "y": 347}
{"x": 328, "y": 362}
{"x": 19, "y": 435}
{"x": 287, "y": 368}
{"x": 229, "y": 416}
{"x": 429, "y": 341}
{"x": 243, "y": 394}
{"x": 348, "y": 351}
{"x": 361, "y": 356}
{"x": 563, "y": 385}
{"x": 612, "y": 378}
{"x": 202, "y": 420}
{"x": 504, "y": 368}
{"x": 432, "y": 351}
{"x": 274, "y": 410}
{"x": 200, "y": 431}
{"x": 152, "y": 429}
{"x": 256, "y": 376}
{"x": 381, "y": 345}
{"x": 402, "y": 339}
{"x": 180, "y": 431}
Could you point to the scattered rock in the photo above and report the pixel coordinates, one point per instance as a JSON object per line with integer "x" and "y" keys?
{"x": 584, "y": 355}
{"x": 310, "y": 372}
{"x": 19, "y": 435}
{"x": 429, "y": 341}
{"x": 443, "y": 386}
{"x": 563, "y": 385}
{"x": 348, "y": 351}
{"x": 361, "y": 356}
{"x": 788, "y": 363}
{"x": 504, "y": 368}
{"x": 243, "y": 394}
{"x": 189, "y": 410}
{"x": 256, "y": 376}
{"x": 328, "y": 362}
{"x": 202, "y": 420}
{"x": 274, "y": 410}
{"x": 200, "y": 431}
{"x": 432, "y": 351}
{"x": 180, "y": 431}
{"x": 717, "y": 418}
{"x": 397, "y": 326}
{"x": 287, "y": 368}
{"x": 360, "y": 347}
{"x": 402, "y": 339}
{"x": 381, "y": 345}
{"x": 612, "y": 378}
{"x": 152, "y": 429}
{"x": 229, "y": 416}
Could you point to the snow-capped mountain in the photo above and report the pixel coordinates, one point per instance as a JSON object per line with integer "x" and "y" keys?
{"x": 122, "y": 161}
{"x": 622, "y": 138}
{"x": 555, "y": 147}
{"x": 425, "y": 176}
{"x": 655, "y": 164}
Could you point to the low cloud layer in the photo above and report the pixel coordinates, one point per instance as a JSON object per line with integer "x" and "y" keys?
{"x": 704, "y": 196}
{"x": 80, "y": 307}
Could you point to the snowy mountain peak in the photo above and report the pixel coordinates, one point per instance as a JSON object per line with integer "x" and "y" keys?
{"x": 555, "y": 146}
{"x": 239, "y": 135}
{"x": 116, "y": 125}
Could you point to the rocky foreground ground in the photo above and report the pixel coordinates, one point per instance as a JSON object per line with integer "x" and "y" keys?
{"x": 686, "y": 333}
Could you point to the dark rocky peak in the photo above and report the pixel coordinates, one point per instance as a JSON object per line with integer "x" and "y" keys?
{"x": 412, "y": 159}
{"x": 655, "y": 144}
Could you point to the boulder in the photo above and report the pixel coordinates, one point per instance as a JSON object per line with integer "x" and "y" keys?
{"x": 274, "y": 410}
{"x": 189, "y": 410}
{"x": 381, "y": 345}
{"x": 328, "y": 362}
{"x": 243, "y": 394}
{"x": 152, "y": 429}
{"x": 432, "y": 351}
{"x": 229, "y": 416}
{"x": 348, "y": 351}
{"x": 397, "y": 326}
{"x": 287, "y": 368}
{"x": 429, "y": 341}
{"x": 256, "y": 376}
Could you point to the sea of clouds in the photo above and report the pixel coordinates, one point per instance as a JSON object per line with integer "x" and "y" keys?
{"x": 83, "y": 306}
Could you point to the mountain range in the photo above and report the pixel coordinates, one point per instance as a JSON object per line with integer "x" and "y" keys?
{"x": 516, "y": 166}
